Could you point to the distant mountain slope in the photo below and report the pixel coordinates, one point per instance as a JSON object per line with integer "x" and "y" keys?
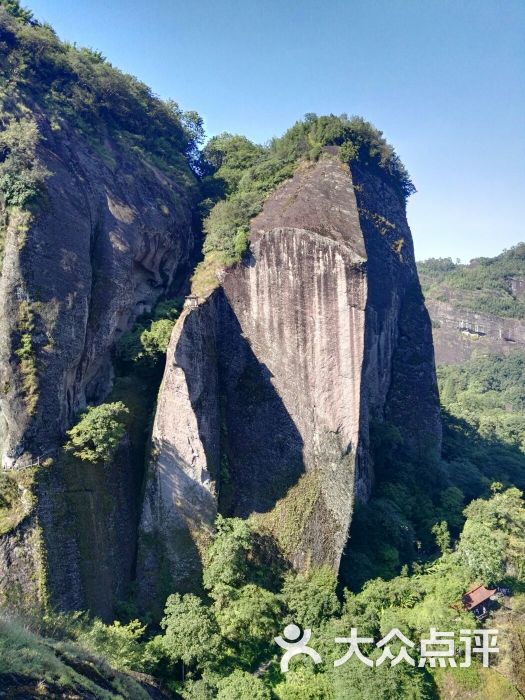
{"x": 479, "y": 306}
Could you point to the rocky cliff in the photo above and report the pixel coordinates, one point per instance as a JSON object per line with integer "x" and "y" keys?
{"x": 272, "y": 381}
{"x": 459, "y": 333}
{"x": 478, "y": 307}
{"x": 112, "y": 234}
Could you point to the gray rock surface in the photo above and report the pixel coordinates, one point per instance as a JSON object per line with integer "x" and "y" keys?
{"x": 272, "y": 381}
{"x": 111, "y": 236}
{"x": 459, "y": 333}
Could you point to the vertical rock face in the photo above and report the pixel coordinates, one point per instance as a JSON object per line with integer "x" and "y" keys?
{"x": 108, "y": 240}
{"x": 460, "y": 332}
{"x": 112, "y": 235}
{"x": 271, "y": 382}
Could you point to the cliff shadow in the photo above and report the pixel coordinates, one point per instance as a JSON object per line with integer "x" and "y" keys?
{"x": 413, "y": 491}
{"x": 259, "y": 450}
{"x": 180, "y": 511}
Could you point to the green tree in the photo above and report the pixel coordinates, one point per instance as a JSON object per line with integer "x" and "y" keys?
{"x": 442, "y": 535}
{"x": 303, "y": 683}
{"x": 14, "y": 8}
{"x": 359, "y": 682}
{"x": 226, "y": 564}
{"x": 482, "y": 550}
{"x": 191, "y": 634}
{"x": 311, "y": 598}
{"x": 97, "y": 435}
{"x": 492, "y": 543}
{"x": 249, "y": 619}
{"x": 145, "y": 345}
{"x": 119, "y": 644}
{"x": 240, "y": 685}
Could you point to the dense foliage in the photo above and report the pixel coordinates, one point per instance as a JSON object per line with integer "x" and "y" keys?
{"x": 82, "y": 87}
{"x": 238, "y": 175}
{"x": 488, "y": 392}
{"x": 98, "y": 432}
{"x": 221, "y": 645}
{"x": 484, "y": 285}
{"x": 483, "y": 442}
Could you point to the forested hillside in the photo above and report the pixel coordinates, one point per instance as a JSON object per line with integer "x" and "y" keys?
{"x": 488, "y": 285}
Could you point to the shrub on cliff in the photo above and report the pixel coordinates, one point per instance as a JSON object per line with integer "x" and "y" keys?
{"x": 96, "y": 436}
{"x": 21, "y": 176}
{"x": 82, "y": 87}
{"x": 238, "y": 175}
{"x": 146, "y": 344}
{"x": 143, "y": 347}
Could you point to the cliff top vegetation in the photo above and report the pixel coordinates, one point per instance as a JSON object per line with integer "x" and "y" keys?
{"x": 238, "y": 175}
{"x": 484, "y": 285}
{"x": 79, "y": 85}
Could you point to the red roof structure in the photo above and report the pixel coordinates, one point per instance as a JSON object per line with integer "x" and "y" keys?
{"x": 476, "y": 596}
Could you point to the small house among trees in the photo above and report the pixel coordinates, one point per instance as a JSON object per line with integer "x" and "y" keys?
{"x": 478, "y": 601}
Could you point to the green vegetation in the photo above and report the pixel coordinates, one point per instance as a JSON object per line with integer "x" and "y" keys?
{"x": 492, "y": 544}
{"x": 80, "y": 87}
{"x": 42, "y": 667}
{"x": 16, "y": 497}
{"x": 415, "y": 549}
{"x": 483, "y": 443}
{"x": 143, "y": 348}
{"x": 287, "y": 520}
{"x": 97, "y": 435}
{"x": 138, "y": 373}
{"x": 99, "y": 430}
{"x": 221, "y": 645}
{"x": 488, "y": 392}
{"x": 238, "y": 176}
{"x": 208, "y": 641}
{"x": 21, "y": 175}
{"x": 27, "y": 356}
{"x": 433, "y": 526}
{"x": 484, "y": 285}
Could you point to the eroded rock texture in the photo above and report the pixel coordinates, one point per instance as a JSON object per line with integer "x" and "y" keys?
{"x": 459, "y": 333}
{"x": 112, "y": 234}
{"x": 272, "y": 381}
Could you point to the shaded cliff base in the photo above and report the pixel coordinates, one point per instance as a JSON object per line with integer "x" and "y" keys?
{"x": 483, "y": 443}
{"x": 68, "y": 528}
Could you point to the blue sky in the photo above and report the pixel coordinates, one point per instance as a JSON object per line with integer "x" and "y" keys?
{"x": 444, "y": 80}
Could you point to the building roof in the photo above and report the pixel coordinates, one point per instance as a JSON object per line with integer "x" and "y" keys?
{"x": 476, "y": 596}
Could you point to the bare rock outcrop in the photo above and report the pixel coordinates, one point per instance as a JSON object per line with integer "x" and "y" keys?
{"x": 459, "y": 333}
{"x": 272, "y": 381}
{"x": 112, "y": 234}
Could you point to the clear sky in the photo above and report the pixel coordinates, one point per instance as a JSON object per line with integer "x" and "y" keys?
{"x": 444, "y": 80}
